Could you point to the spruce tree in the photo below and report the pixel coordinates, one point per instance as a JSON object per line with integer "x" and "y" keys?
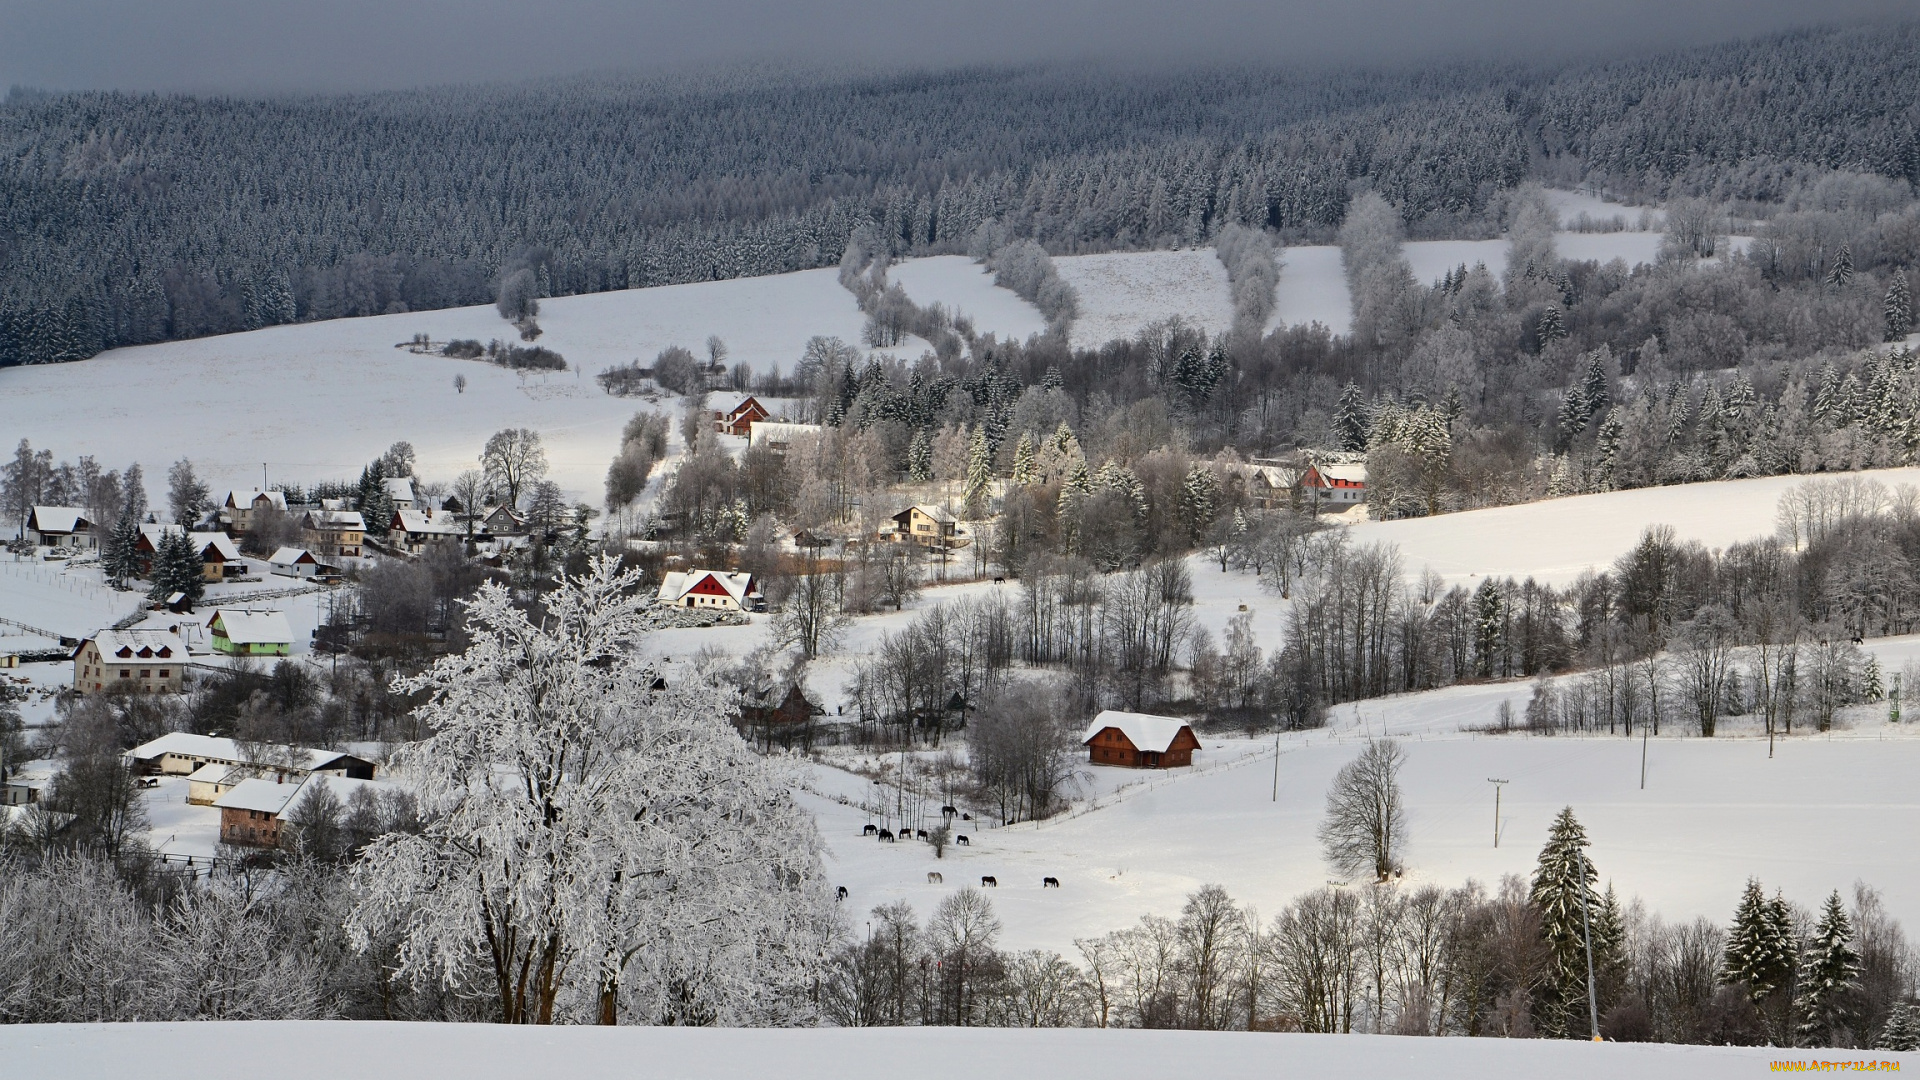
{"x": 1552, "y": 326}
{"x": 1198, "y": 496}
{"x": 1023, "y": 472}
{"x": 176, "y": 569}
{"x": 1901, "y": 1031}
{"x": 1899, "y": 307}
{"x": 1840, "y": 274}
{"x": 1829, "y": 977}
{"x": 1760, "y": 949}
{"x": 979, "y": 473}
{"x": 1564, "y": 895}
{"x": 1350, "y": 422}
{"x": 920, "y": 457}
{"x": 1488, "y": 622}
{"x": 121, "y": 560}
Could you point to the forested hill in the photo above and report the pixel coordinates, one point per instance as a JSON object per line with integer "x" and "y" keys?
{"x": 135, "y": 218}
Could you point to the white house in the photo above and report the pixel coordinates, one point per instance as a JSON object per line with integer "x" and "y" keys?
{"x": 61, "y": 526}
{"x": 135, "y": 661}
{"x": 1335, "y": 486}
{"x": 736, "y": 591}
{"x": 399, "y": 491}
{"x": 242, "y": 506}
{"x": 296, "y": 563}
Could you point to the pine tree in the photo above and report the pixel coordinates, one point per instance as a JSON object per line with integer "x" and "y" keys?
{"x": 1826, "y": 399}
{"x": 121, "y": 559}
{"x": 1899, "y": 307}
{"x": 1902, "y": 1030}
{"x": 1023, "y": 460}
{"x": 1564, "y": 895}
{"x": 979, "y": 473}
{"x": 1552, "y": 326}
{"x": 176, "y": 569}
{"x": 1487, "y": 625}
{"x": 1572, "y": 417}
{"x": 1760, "y": 949}
{"x": 920, "y": 457}
{"x": 1593, "y": 386}
{"x": 1350, "y": 422}
{"x": 1840, "y": 274}
{"x": 1198, "y": 496}
{"x": 1829, "y": 974}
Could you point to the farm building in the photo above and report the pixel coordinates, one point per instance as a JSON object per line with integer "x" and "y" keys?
{"x": 252, "y": 811}
{"x": 1139, "y": 741}
{"x": 242, "y": 632}
{"x": 220, "y": 557}
{"x": 135, "y": 661}
{"x": 413, "y": 530}
{"x": 180, "y": 753}
{"x": 297, "y": 563}
{"x": 735, "y": 591}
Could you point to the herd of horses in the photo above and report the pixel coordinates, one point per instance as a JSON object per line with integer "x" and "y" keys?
{"x": 934, "y": 877}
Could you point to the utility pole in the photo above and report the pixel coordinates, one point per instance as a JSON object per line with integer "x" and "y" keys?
{"x": 1586, "y": 921}
{"x": 1643, "y": 754}
{"x": 1276, "y": 763}
{"x": 1496, "y": 808}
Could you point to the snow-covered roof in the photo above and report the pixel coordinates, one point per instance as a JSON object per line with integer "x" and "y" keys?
{"x": 676, "y": 585}
{"x": 399, "y": 488}
{"x": 937, "y": 513}
{"x": 430, "y": 522}
{"x": 729, "y": 404}
{"x": 244, "y": 498}
{"x": 336, "y": 519}
{"x": 57, "y": 519}
{"x": 1153, "y": 734}
{"x": 124, "y": 646}
{"x": 246, "y": 627}
{"x": 761, "y": 431}
{"x": 287, "y": 556}
{"x": 213, "y": 772}
{"x": 269, "y": 797}
{"x": 219, "y": 542}
{"x": 1343, "y": 474}
{"x": 214, "y": 748}
{"x": 265, "y": 796}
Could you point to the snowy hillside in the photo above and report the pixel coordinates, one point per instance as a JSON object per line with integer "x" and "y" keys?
{"x": 498, "y": 1052}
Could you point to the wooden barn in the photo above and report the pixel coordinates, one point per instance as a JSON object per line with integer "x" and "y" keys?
{"x": 1139, "y": 741}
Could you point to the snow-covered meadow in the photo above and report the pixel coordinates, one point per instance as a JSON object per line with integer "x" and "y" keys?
{"x": 378, "y": 1051}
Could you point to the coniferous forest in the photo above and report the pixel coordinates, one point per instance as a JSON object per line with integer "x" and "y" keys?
{"x": 134, "y": 218}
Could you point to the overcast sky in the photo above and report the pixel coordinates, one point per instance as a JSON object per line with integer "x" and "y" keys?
{"x": 269, "y": 45}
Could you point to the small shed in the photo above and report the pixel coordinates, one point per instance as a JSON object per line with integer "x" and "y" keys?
{"x": 1139, "y": 741}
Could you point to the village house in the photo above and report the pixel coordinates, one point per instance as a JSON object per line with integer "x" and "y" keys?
{"x": 133, "y": 661}
{"x": 735, "y": 414}
{"x": 399, "y": 491}
{"x": 413, "y": 530}
{"x": 61, "y": 526}
{"x": 776, "y": 435}
{"x": 251, "y": 811}
{"x": 735, "y": 591}
{"x": 1334, "y": 487}
{"x": 333, "y": 534}
{"x": 1139, "y": 741}
{"x": 244, "y": 632}
{"x": 297, "y": 563}
{"x": 502, "y": 521}
{"x": 181, "y": 753}
{"x": 242, "y": 508}
{"x": 1268, "y": 486}
{"x": 928, "y": 526}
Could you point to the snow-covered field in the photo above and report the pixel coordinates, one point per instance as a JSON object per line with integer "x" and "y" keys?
{"x": 1123, "y": 292}
{"x": 966, "y": 288}
{"x": 1313, "y": 288}
{"x": 319, "y": 400}
{"x": 488, "y": 1051}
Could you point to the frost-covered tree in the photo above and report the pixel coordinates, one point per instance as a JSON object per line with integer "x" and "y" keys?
{"x": 1760, "y": 947}
{"x": 187, "y": 496}
{"x": 1351, "y": 423}
{"x": 1899, "y": 307}
{"x": 1829, "y": 978}
{"x": 176, "y": 569}
{"x": 595, "y": 848}
{"x": 1570, "y": 908}
{"x": 1901, "y": 1032}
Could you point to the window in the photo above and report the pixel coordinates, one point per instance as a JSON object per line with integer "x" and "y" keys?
{"x": 126, "y": 673}
{"x": 146, "y": 673}
{"x": 165, "y": 672}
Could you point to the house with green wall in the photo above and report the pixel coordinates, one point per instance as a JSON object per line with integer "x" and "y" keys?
{"x": 248, "y": 632}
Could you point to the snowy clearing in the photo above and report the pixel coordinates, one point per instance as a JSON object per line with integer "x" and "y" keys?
{"x": 487, "y": 1051}
{"x": 966, "y": 288}
{"x": 1123, "y": 292}
{"x": 1313, "y": 288}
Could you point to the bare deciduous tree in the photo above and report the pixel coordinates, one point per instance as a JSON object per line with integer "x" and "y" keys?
{"x": 1366, "y": 818}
